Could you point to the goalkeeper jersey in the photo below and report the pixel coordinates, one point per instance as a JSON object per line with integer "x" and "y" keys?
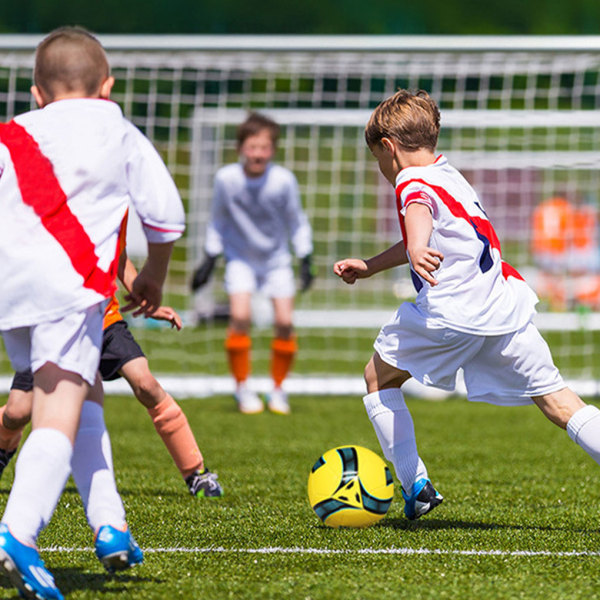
{"x": 477, "y": 291}
{"x": 256, "y": 218}
{"x": 67, "y": 175}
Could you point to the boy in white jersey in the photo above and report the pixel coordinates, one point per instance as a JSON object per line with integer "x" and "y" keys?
{"x": 473, "y": 311}
{"x": 256, "y": 213}
{"x": 67, "y": 174}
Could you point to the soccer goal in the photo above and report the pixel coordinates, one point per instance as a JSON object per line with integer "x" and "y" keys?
{"x": 519, "y": 118}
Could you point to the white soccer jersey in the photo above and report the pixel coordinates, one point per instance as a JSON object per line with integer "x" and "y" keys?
{"x": 67, "y": 175}
{"x": 255, "y": 219}
{"x": 477, "y": 292}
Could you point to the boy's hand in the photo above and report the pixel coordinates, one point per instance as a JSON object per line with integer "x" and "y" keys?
{"x": 351, "y": 269}
{"x": 426, "y": 260}
{"x": 166, "y": 313}
{"x": 145, "y": 295}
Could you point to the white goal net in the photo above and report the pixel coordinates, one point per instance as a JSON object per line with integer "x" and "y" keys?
{"x": 519, "y": 118}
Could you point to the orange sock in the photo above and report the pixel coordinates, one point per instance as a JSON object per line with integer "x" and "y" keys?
{"x": 282, "y": 357}
{"x": 238, "y": 352}
{"x": 9, "y": 438}
{"x": 173, "y": 427}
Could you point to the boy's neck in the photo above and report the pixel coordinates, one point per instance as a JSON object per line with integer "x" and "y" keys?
{"x": 417, "y": 158}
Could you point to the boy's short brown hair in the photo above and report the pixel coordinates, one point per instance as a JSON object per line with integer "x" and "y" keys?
{"x": 412, "y": 119}
{"x": 255, "y": 123}
{"x": 70, "y": 59}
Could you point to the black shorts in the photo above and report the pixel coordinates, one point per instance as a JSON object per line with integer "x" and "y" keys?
{"x": 118, "y": 348}
{"x": 23, "y": 380}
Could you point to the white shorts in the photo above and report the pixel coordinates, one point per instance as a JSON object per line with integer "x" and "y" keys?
{"x": 241, "y": 276}
{"x": 500, "y": 369}
{"x": 73, "y": 343}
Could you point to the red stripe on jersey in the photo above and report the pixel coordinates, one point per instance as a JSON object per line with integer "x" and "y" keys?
{"x": 421, "y": 197}
{"x": 510, "y": 271}
{"x": 41, "y": 191}
{"x": 482, "y": 225}
{"x": 161, "y": 228}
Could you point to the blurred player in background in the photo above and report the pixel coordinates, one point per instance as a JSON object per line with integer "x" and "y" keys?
{"x": 256, "y": 213}
{"x": 122, "y": 357}
{"x": 472, "y": 311}
{"x": 68, "y": 172}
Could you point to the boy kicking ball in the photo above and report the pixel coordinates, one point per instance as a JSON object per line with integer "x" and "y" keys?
{"x": 472, "y": 311}
{"x": 67, "y": 174}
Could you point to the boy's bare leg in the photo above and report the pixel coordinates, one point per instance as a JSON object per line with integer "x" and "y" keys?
{"x": 560, "y": 406}
{"x": 44, "y": 463}
{"x": 169, "y": 420}
{"x": 394, "y": 427}
{"x": 582, "y": 421}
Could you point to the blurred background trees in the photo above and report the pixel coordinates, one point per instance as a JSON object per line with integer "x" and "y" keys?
{"x": 305, "y": 17}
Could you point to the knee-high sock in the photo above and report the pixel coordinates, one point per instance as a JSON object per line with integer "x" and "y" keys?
{"x": 283, "y": 352}
{"x": 238, "y": 347}
{"x": 93, "y": 470}
{"x": 584, "y": 429}
{"x": 9, "y": 438}
{"x": 41, "y": 472}
{"x": 173, "y": 427}
{"x": 396, "y": 433}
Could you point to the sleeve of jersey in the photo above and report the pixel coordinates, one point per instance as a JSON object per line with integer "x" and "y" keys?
{"x": 299, "y": 227}
{"x": 153, "y": 191}
{"x": 419, "y": 194}
{"x": 213, "y": 245}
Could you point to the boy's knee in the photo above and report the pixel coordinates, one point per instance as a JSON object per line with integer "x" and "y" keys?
{"x": 17, "y": 412}
{"x": 147, "y": 390}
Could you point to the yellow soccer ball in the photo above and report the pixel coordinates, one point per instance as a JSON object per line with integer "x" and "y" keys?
{"x": 350, "y": 486}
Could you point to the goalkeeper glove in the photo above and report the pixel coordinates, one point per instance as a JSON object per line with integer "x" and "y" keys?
{"x": 307, "y": 273}
{"x": 203, "y": 272}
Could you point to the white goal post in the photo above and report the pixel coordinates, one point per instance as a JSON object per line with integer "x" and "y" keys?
{"x": 520, "y": 118}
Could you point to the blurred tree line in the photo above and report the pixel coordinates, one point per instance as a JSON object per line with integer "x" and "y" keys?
{"x": 305, "y": 17}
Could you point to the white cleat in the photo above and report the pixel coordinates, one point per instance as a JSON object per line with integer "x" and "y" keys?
{"x": 247, "y": 400}
{"x": 278, "y": 402}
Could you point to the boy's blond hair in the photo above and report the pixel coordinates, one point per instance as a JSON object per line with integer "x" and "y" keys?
{"x": 411, "y": 119}
{"x": 70, "y": 59}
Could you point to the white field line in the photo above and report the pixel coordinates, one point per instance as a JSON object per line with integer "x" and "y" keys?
{"x": 359, "y": 551}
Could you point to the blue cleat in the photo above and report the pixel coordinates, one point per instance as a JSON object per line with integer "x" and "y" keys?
{"x": 116, "y": 549}
{"x": 424, "y": 498}
{"x": 25, "y": 569}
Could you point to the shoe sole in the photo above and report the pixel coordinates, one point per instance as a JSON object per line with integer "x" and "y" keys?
{"x": 251, "y": 411}
{"x": 9, "y": 568}
{"x": 117, "y": 561}
{"x": 279, "y": 411}
{"x": 433, "y": 504}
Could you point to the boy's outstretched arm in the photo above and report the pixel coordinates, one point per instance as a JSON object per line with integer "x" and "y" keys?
{"x": 419, "y": 225}
{"x": 351, "y": 269}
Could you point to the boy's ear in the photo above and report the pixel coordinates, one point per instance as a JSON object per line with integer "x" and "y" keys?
{"x": 38, "y": 96}
{"x": 388, "y": 145}
{"x": 106, "y": 87}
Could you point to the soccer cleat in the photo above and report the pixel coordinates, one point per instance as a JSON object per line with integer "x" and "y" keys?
{"x": 248, "y": 401}
{"x": 116, "y": 549}
{"x": 424, "y": 498}
{"x": 5, "y": 457}
{"x": 278, "y": 402}
{"x": 204, "y": 484}
{"x": 25, "y": 569}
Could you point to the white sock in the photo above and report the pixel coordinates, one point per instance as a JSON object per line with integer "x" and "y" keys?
{"x": 93, "y": 470}
{"x": 41, "y": 473}
{"x": 396, "y": 433}
{"x": 584, "y": 429}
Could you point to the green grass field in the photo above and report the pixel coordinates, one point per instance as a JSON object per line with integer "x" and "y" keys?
{"x": 520, "y": 519}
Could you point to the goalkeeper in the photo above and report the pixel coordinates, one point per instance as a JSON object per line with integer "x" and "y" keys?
{"x": 256, "y": 214}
